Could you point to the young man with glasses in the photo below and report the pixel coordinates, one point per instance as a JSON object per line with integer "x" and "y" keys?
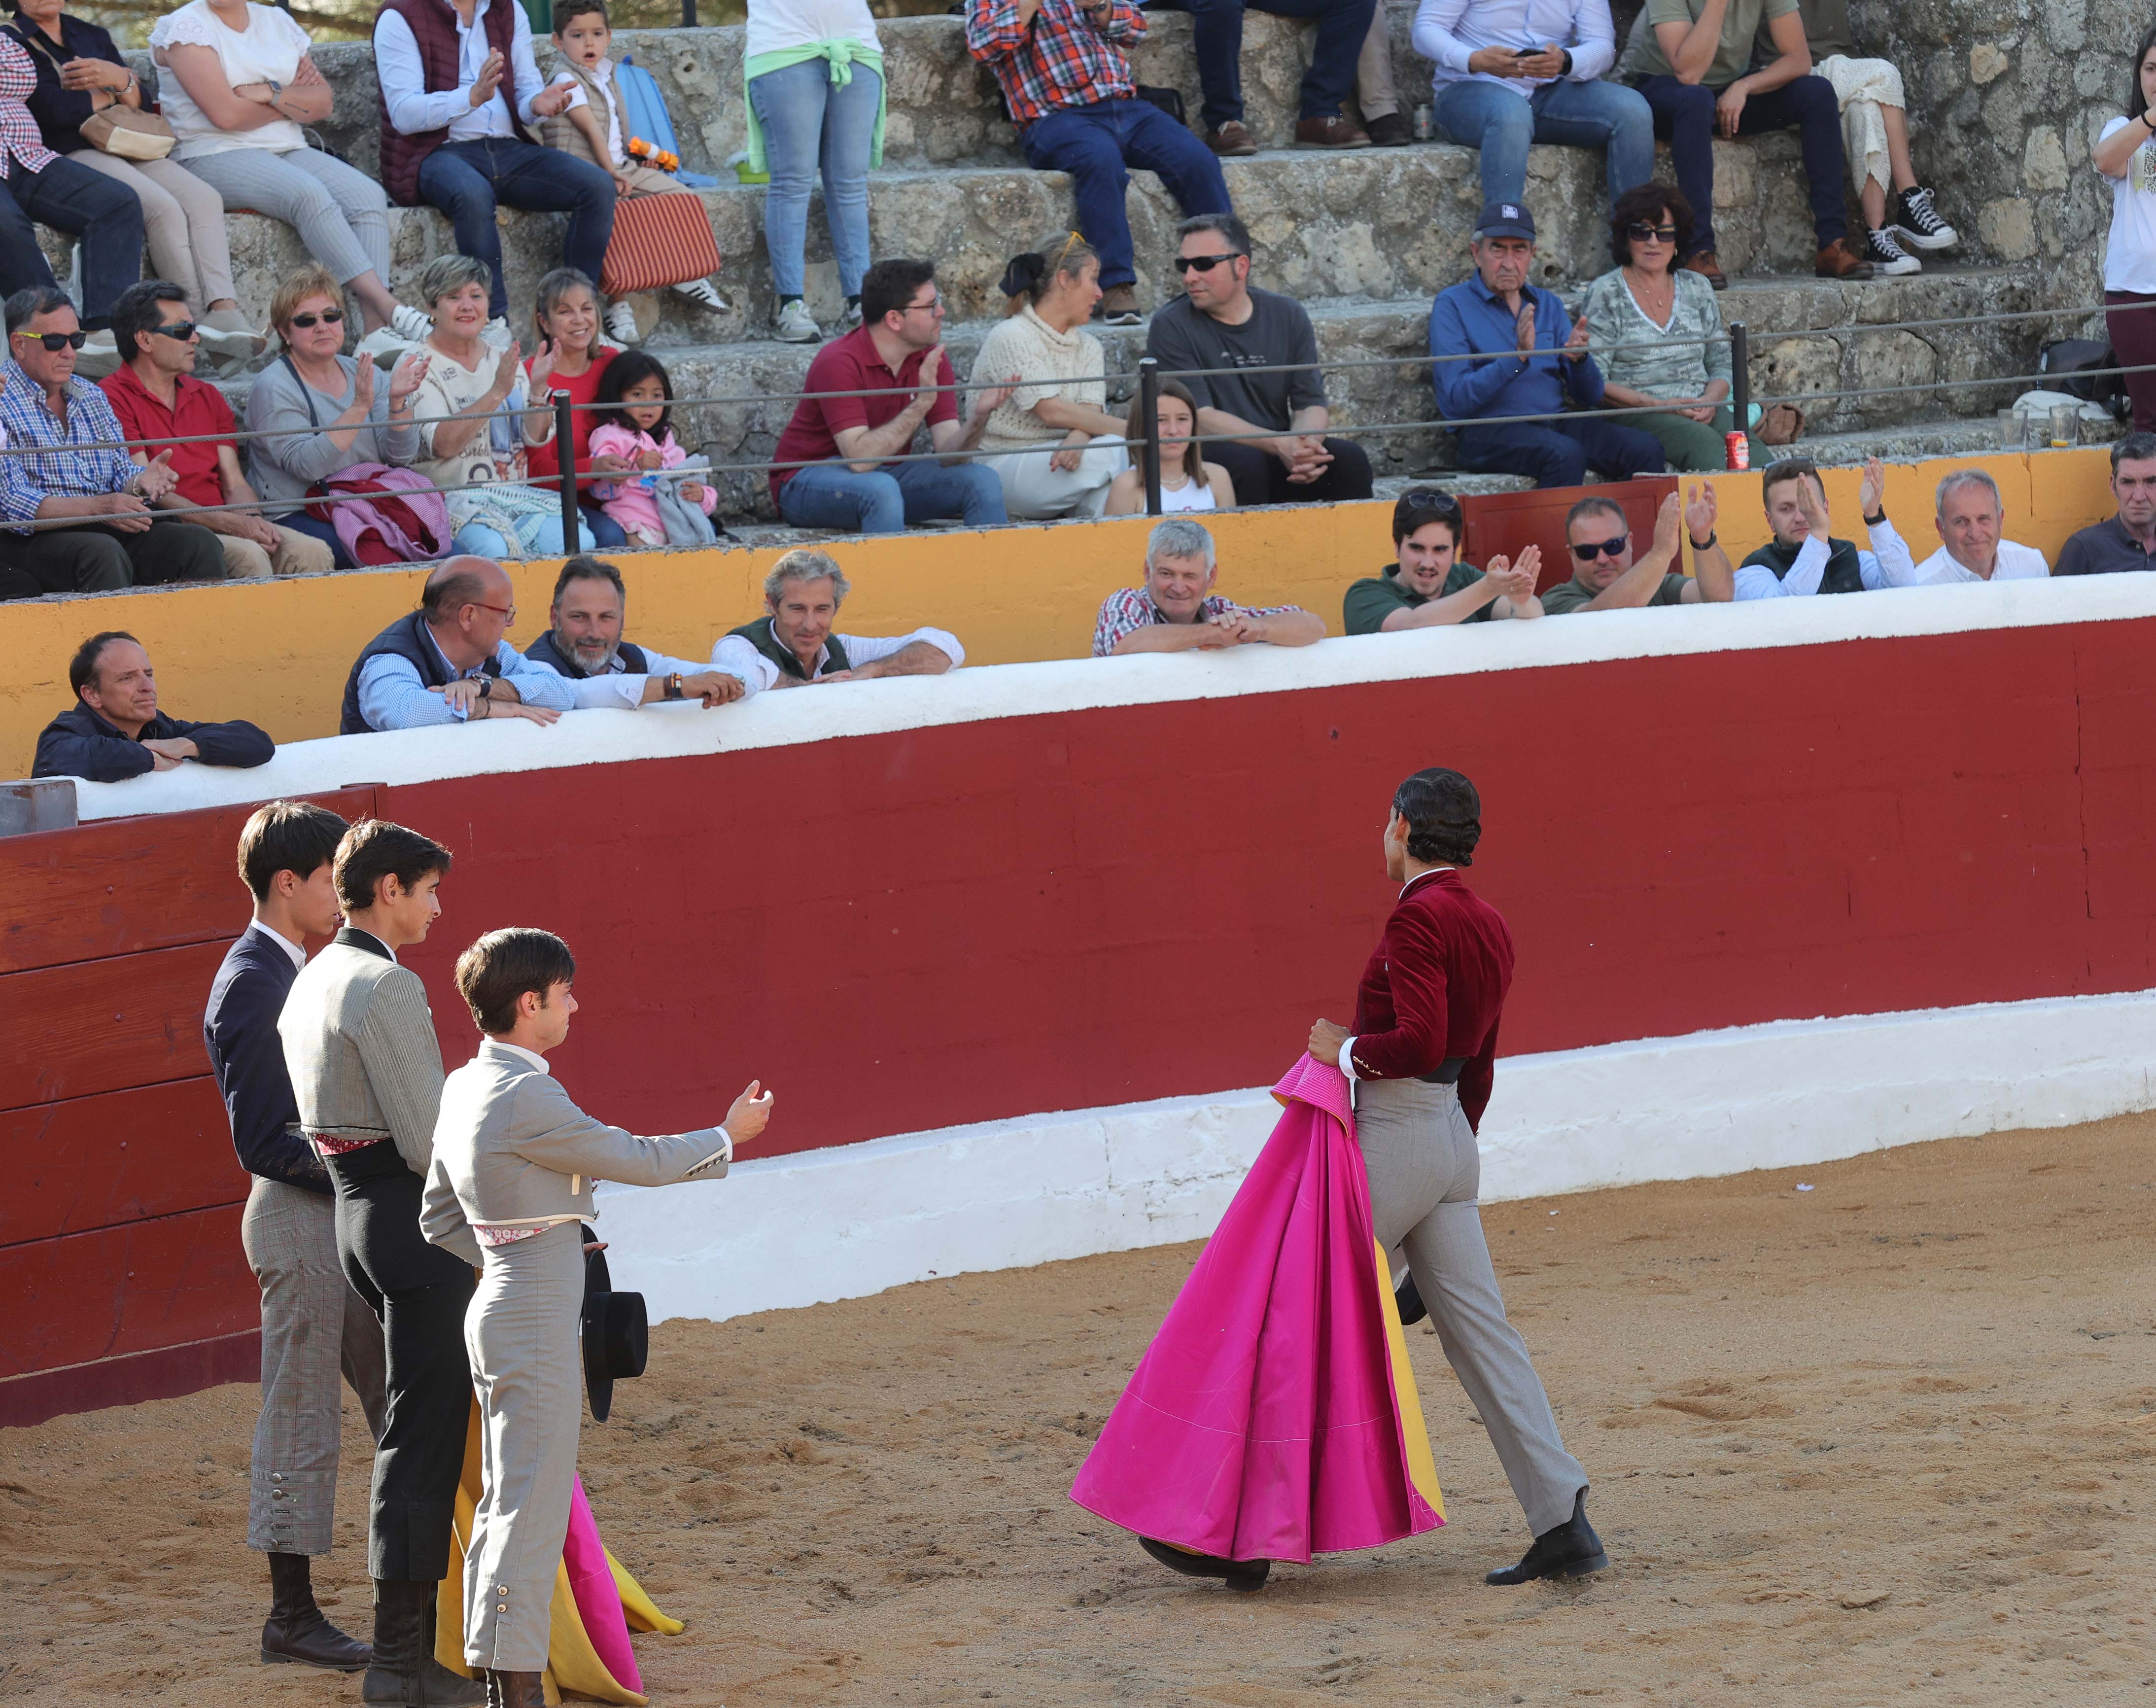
{"x": 447, "y": 663}
{"x": 1605, "y": 578}
{"x": 1264, "y": 389}
{"x": 867, "y": 394}
{"x": 1430, "y": 583}
{"x": 156, "y": 397}
{"x": 82, "y": 517}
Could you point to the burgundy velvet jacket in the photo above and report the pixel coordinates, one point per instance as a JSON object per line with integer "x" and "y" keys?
{"x": 1435, "y": 989}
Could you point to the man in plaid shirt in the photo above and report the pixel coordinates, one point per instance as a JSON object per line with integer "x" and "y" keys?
{"x": 1176, "y": 609}
{"x": 1068, "y": 85}
{"x": 63, "y": 465}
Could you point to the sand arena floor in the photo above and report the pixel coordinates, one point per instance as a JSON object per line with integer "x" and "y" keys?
{"x": 1885, "y": 1441}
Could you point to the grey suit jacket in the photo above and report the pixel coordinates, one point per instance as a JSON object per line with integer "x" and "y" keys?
{"x": 512, "y": 1150}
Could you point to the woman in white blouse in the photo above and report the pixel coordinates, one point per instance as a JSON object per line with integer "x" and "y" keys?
{"x": 1062, "y": 395}
{"x": 242, "y": 82}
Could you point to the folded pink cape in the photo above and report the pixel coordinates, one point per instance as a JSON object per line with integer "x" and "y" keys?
{"x": 1274, "y": 1415}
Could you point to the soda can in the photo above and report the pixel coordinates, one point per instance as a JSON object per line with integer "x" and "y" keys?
{"x": 1740, "y": 449}
{"x": 1424, "y": 130}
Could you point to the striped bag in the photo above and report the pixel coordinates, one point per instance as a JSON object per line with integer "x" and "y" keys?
{"x": 658, "y": 240}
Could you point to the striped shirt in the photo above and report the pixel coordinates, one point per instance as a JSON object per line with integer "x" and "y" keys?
{"x": 1063, "y": 58}
{"x": 1128, "y": 609}
{"x": 65, "y": 470}
{"x": 18, "y": 132}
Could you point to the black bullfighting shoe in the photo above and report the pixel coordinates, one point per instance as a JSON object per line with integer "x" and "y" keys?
{"x": 1238, "y": 1574}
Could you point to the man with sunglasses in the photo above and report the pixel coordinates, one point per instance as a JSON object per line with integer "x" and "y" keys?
{"x": 1605, "y": 578}
{"x": 156, "y": 397}
{"x": 1265, "y": 389}
{"x": 447, "y": 663}
{"x": 81, "y": 508}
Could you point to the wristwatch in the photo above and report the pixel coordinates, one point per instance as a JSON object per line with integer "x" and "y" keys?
{"x": 674, "y": 685}
{"x": 1874, "y": 521}
{"x": 1706, "y": 544}
{"x": 486, "y": 687}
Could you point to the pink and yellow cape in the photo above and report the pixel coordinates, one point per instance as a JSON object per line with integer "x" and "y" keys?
{"x": 1275, "y": 1416}
{"x": 597, "y": 1603}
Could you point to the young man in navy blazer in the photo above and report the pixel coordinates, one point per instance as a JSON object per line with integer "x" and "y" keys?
{"x": 313, "y": 1323}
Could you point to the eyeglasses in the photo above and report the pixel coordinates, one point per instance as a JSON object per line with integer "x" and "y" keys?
{"x": 1430, "y": 498}
{"x": 1201, "y": 263}
{"x": 508, "y": 610}
{"x": 328, "y": 317}
{"x": 57, "y": 340}
{"x": 179, "y": 331}
{"x": 934, "y": 305}
{"x": 1640, "y": 231}
{"x": 1593, "y": 549}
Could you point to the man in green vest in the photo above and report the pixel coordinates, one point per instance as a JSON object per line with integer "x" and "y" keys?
{"x": 796, "y": 645}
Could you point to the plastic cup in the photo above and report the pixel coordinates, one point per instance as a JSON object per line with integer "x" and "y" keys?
{"x": 2065, "y": 418}
{"x": 2010, "y": 430}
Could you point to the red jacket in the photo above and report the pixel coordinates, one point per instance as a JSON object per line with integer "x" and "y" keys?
{"x": 1435, "y": 988}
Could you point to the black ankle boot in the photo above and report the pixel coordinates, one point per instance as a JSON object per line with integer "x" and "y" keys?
{"x": 1568, "y": 1549}
{"x": 1245, "y": 1575}
{"x": 296, "y": 1630}
{"x": 405, "y": 1672}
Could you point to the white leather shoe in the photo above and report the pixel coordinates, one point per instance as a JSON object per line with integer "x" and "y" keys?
{"x": 704, "y": 293}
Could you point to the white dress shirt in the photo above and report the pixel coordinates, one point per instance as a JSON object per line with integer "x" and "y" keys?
{"x": 735, "y": 656}
{"x": 621, "y": 686}
{"x": 1448, "y": 32}
{"x": 270, "y": 935}
{"x": 1890, "y": 566}
{"x": 2013, "y": 563}
{"x": 414, "y": 108}
{"x": 392, "y": 697}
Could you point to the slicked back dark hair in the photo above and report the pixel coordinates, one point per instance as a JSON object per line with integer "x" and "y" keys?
{"x": 503, "y": 965}
{"x": 135, "y": 313}
{"x": 374, "y": 849}
{"x": 1784, "y": 469}
{"x": 1639, "y": 205}
{"x": 889, "y": 286}
{"x": 1444, "y": 815}
{"x": 287, "y": 836}
{"x": 82, "y": 668}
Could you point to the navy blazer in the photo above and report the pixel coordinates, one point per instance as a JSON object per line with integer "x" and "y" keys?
{"x": 79, "y": 743}
{"x": 240, "y": 1029}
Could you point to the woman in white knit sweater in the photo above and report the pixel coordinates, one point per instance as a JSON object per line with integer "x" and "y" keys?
{"x": 1062, "y": 395}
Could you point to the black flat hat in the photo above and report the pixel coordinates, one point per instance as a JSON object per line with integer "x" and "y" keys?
{"x": 616, "y": 1332}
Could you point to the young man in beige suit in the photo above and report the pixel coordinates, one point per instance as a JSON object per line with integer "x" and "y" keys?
{"x": 514, "y": 1162}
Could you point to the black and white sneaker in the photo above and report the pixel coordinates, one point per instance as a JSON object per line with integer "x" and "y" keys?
{"x": 1918, "y": 223}
{"x": 1888, "y": 258}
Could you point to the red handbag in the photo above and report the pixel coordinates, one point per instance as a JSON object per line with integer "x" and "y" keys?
{"x": 658, "y": 240}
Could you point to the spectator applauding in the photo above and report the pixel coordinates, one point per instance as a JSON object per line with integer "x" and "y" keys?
{"x": 1065, "y": 79}
{"x": 1690, "y": 59}
{"x": 897, "y": 356}
{"x": 115, "y": 731}
{"x": 1526, "y": 364}
{"x": 794, "y": 646}
{"x": 107, "y": 537}
{"x": 1430, "y": 584}
{"x": 2128, "y": 540}
{"x": 566, "y": 317}
{"x": 1188, "y": 482}
{"x": 156, "y": 397}
{"x": 1052, "y": 292}
{"x": 1971, "y": 518}
{"x": 447, "y": 662}
{"x": 1222, "y": 321}
{"x": 325, "y": 412}
{"x": 1605, "y": 578}
{"x": 1513, "y": 71}
{"x": 1803, "y": 557}
{"x": 2123, "y": 154}
{"x": 1217, "y": 34}
{"x": 1176, "y": 610}
{"x": 584, "y": 644}
{"x": 1661, "y": 330}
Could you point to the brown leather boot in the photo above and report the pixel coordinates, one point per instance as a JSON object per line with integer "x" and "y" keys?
{"x": 1334, "y": 132}
{"x": 1709, "y": 268}
{"x": 1118, "y": 306}
{"x": 1232, "y": 138}
{"x": 296, "y": 1630}
{"x": 1837, "y": 260}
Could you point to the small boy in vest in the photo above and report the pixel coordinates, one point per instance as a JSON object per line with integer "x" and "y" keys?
{"x": 590, "y": 126}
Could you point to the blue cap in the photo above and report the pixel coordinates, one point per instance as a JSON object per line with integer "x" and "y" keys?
{"x": 1505, "y": 219}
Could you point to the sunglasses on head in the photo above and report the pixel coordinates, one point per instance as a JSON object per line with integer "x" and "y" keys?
{"x": 58, "y": 340}
{"x": 1593, "y": 549}
{"x": 1640, "y": 231}
{"x": 1201, "y": 263}
{"x": 1429, "y": 497}
{"x": 328, "y": 317}
{"x": 179, "y": 331}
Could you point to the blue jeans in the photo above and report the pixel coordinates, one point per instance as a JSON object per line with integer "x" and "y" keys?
{"x": 832, "y": 495}
{"x": 465, "y": 180}
{"x": 1216, "y": 38}
{"x": 606, "y": 532}
{"x": 483, "y": 541}
{"x": 809, "y": 120}
{"x": 1592, "y": 114}
{"x": 1684, "y": 112}
{"x": 1097, "y": 143}
{"x": 1558, "y": 453}
{"x": 70, "y": 197}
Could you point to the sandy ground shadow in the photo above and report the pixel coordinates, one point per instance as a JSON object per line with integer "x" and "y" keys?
{"x": 1885, "y": 1441}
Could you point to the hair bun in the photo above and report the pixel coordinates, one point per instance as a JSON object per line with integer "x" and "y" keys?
{"x": 1025, "y": 273}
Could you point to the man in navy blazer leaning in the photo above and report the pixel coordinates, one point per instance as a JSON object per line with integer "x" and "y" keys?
{"x": 313, "y": 1323}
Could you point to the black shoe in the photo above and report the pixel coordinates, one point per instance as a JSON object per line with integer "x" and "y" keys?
{"x": 296, "y": 1632}
{"x": 1389, "y": 130}
{"x": 1407, "y": 1297}
{"x": 404, "y": 1671}
{"x": 1918, "y": 223}
{"x": 1571, "y": 1550}
{"x": 1238, "y": 1574}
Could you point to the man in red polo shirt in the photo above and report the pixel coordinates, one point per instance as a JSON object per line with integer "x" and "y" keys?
{"x": 844, "y": 444}
{"x": 156, "y": 395}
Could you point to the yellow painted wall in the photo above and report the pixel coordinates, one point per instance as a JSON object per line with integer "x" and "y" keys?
{"x": 277, "y": 652}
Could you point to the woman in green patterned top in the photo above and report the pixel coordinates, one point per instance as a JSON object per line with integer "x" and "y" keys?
{"x": 1657, "y": 331}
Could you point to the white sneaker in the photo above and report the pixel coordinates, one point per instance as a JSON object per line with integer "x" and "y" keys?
{"x": 99, "y": 357}
{"x": 497, "y": 332}
{"x": 797, "y": 325}
{"x": 705, "y": 295}
{"x": 852, "y": 317}
{"x": 1888, "y": 258}
{"x": 620, "y": 321}
{"x": 409, "y": 324}
{"x": 385, "y": 347}
{"x": 226, "y": 333}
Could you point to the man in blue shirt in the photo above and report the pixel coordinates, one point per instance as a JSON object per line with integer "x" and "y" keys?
{"x": 447, "y": 663}
{"x": 1527, "y": 364}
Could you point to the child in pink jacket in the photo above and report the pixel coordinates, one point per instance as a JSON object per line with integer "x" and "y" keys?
{"x": 632, "y": 422}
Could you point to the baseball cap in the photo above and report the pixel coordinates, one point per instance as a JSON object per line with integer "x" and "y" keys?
{"x": 1505, "y": 219}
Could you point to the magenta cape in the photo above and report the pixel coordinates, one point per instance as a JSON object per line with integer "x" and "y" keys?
{"x": 1274, "y": 1415}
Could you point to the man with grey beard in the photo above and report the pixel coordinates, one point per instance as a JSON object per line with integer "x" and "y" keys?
{"x": 583, "y": 643}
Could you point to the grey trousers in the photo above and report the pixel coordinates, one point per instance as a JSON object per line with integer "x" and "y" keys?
{"x": 1425, "y": 1175}
{"x": 520, "y": 1331}
{"x": 341, "y": 215}
{"x": 313, "y": 1326}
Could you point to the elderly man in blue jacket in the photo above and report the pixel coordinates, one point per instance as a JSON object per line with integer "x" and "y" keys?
{"x": 1524, "y": 363}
